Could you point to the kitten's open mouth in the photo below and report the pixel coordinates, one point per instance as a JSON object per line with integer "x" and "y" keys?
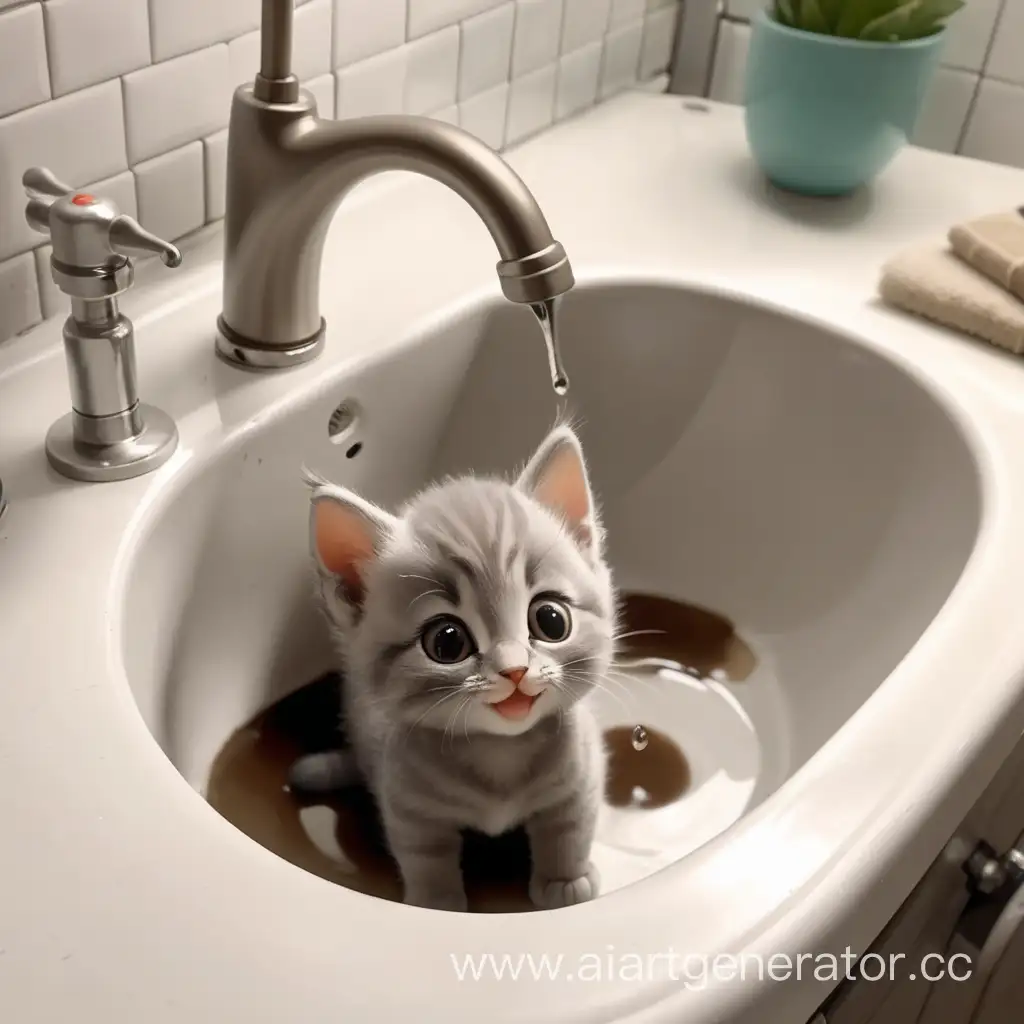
{"x": 516, "y": 706}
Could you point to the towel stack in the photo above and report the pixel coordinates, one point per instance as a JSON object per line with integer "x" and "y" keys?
{"x": 976, "y": 284}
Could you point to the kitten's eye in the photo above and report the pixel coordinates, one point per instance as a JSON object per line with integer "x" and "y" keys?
{"x": 447, "y": 641}
{"x": 549, "y": 620}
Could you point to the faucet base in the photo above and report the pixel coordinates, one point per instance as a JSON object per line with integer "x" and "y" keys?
{"x": 121, "y": 460}
{"x": 247, "y": 354}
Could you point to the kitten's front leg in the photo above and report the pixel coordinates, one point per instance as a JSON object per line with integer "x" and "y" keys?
{"x": 429, "y": 856}
{"x": 560, "y": 840}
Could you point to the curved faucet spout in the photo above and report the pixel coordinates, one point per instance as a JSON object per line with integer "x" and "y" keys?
{"x": 288, "y": 171}
{"x": 346, "y": 151}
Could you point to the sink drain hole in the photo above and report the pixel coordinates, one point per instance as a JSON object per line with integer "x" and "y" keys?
{"x": 342, "y": 424}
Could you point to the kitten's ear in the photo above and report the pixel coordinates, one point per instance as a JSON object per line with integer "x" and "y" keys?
{"x": 556, "y": 477}
{"x": 346, "y": 535}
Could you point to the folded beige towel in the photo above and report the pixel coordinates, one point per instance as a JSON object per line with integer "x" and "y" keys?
{"x": 933, "y": 283}
{"x": 994, "y": 245}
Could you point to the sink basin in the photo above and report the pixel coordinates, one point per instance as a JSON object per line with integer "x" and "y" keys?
{"x": 825, "y": 494}
{"x": 762, "y": 468}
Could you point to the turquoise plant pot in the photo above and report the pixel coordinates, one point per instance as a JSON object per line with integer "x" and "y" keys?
{"x": 825, "y": 114}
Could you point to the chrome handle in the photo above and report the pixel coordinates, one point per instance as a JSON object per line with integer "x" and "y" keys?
{"x": 128, "y": 237}
{"x": 45, "y": 182}
{"x": 37, "y": 213}
{"x": 88, "y": 233}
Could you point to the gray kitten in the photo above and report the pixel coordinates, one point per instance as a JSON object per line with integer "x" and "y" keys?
{"x": 470, "y": 627}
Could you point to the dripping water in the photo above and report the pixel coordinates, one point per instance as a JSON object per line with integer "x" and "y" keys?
{"x": 640, "y": 738}
{"x": 545, "y": 313}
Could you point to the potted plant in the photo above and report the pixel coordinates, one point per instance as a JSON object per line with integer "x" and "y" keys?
{"x": 834, "y": 87}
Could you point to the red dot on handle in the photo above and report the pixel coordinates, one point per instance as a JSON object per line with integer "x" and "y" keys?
{"x": 83, "y": 199}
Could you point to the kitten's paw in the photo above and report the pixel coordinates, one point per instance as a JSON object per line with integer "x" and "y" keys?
{"x": 324, "y": 772}
{"x": 551, "y": 894}
{"x": 437, "y": 900}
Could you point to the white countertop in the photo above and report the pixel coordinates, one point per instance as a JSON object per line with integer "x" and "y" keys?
{"x": 102, "y": 894}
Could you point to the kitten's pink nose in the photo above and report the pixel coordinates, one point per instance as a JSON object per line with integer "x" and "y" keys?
{"x": 513, "y": 674}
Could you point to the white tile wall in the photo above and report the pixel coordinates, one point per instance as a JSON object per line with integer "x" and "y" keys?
{"x": 322, "y": 89}
{"x": 585, "y": 22}
{"x": 658, "y": 40}
{"x": 180, "y": 26}
{"x": 19, "y": 295}
{"x": 171, "y": 190}
{"x": 531, "y": 104}
{"x": 996, "y": 130}
{"x": 621, "y": 58}
{"x": 484, "y": 115}
{"x": 578, "y": 76}
{"x": 945, "y": 110}
{"x": 90, "y": 41}
{"x": 23, "y": 83}
{"x": 486, "y": 52}
{"x": 537, "y": 36}
{"x": 625, "y": 11}
{"x": 429, "y": 15}
{"x": 432, "y": 72}
{"x": 970, "y": 33}
{"x": 362, "y": 29}
{"x": 975, "y": 105}
{"x": 730, "y": 62}
{"x": 1006, "y": 60}
{"x": 373, "y": 86}
{"x": 168, "y": 104}
{"x": 215, "y": 162}
{"x": 131, "y": 97}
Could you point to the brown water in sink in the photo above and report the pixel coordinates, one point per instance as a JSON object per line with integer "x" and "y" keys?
{"x": 683, "y": 634}
{"x": 339, "y": 837}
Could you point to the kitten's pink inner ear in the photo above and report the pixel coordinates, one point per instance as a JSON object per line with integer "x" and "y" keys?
{"x": 343, "y": 544}
{"x": 563, "y": 487}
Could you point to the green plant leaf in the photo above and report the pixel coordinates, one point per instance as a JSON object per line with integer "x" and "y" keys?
{"x": 928, "y": 17}
{"x": 890, "y": 27}
{"x": 784, "y": 13}
{"x": 811, "y": 18}
{"x": 832, "y": 11}
{"x": 859, "y": 13}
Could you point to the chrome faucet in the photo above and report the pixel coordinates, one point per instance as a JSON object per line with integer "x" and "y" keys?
{"x": 287, "y": 172}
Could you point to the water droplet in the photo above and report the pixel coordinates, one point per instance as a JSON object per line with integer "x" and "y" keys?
{"x": 640, "y": 738}
{"x": 545, "y": 313}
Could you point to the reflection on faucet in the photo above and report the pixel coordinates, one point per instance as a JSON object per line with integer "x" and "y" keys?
{"x": 287, "y": 172}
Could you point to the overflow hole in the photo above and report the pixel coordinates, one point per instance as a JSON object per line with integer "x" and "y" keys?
{"x": 343, "y": 423}
{"x": 354, "y": 450}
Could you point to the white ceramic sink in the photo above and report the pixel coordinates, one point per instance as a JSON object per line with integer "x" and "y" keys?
{"x": 845, "y": 485}
{"x": 813, "y": 492}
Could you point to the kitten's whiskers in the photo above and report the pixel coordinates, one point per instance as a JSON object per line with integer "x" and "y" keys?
{"x": 414, "y": 576}
{"x": 638, "y": 632}
{"x": 454, "y": 691}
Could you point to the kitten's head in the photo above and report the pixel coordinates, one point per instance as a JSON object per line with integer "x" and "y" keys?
{"x": 484, "y": 606}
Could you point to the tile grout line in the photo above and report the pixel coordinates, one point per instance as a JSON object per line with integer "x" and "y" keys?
{"x": 152, "y": 32}
{"x": 46, "y": 50}
{"x": 966, "y": 126}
